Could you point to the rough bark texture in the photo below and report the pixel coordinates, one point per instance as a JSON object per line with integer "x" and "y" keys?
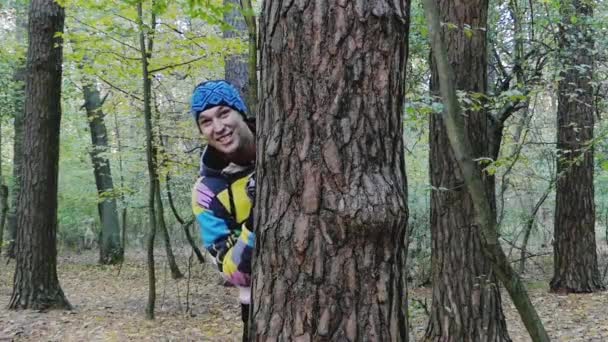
{"x": 331, "y": 195}
{"x": 35, "y": 284}
{"x": 466, "y": 299}
{"x": 236, "y": 70}
{"x": 575, "y": 256}
{"x": 110, "y": 249}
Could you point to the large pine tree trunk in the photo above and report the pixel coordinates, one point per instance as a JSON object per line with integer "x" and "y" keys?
{"x": 331, "y": 195}
{"x": 110, "y": 249}
{"x": 466, "y": 299}
{"x": 36, "y": 285}
{"x": 575, "y": 255}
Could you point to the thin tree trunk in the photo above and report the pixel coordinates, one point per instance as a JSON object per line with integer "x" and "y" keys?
{"x": 146, "y": 54}
{"x": 252, "y": 58}
{"x": 110, "y": 249}
{"x": 485, "y": 215}
{"x": 175, "y": 272}
{"x": 185, "y": 225}
{"x": 331, "y": 197}
{"x": 35, "y": 284}
{"x": 467, "y": 304}
{"x": 575, "y": 257}
{"x": 530, "y": 223}
{"x": 3, "y": 210}
{"x": 3, "y": 198}
{"x": 122, "y": 185}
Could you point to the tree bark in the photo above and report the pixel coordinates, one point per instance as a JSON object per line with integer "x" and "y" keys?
{"x": 146, "y": 54}
{"x": 122, "y": 185}
{"x": 466, "y": 305}
{"x": 485, "y": 214}
{"x": 175, "y": 272}
{"x": 235, "y": 67}
{"x": 331, "y": 201}
{"x": 575, "y": 257}
{"x": 35, "y": 284}
{"x": 185, "y": 225}
{"x": 241, "y": 69}
{"x": 110, "y": 249}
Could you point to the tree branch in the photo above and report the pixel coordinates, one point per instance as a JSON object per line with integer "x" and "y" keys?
{"x": 104, "y": 33}
{"x": 119, "y": 89}
{"x": 177, "y": 65}
{"x": 461, "y": 146}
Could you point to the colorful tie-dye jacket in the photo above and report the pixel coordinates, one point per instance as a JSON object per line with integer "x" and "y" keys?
{"x": 222, "y": 201}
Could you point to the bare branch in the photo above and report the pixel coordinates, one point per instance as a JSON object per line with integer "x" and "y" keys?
{"x": 177, "y": 65}
{"x": 119, "y": 89}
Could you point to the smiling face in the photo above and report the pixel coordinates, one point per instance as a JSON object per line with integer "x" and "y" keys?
{"x": 225, "y": 130}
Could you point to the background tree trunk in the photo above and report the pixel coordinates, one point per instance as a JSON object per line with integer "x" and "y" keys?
{"x": 236, "y": 69}
{"x": 19, "y": 77}
{"x": 160, "y": 152}
{"x": 466, "y": 299}
{"x": 455, "y": 125}
{"x": 110, "y": 249}
{"x": 146, "y": 54}
{"x": 241, "y": 70}
{"x": 122, "y": 184}
{"x": 36, "y": 285}
{"x": 3, "y": 197}
{"x": 175, "y": 272}
{"x": 331, "y": 196}
{"x": 575, "y": 256}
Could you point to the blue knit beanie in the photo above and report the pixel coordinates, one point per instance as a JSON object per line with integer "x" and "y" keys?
{"x": 216, "y": 93}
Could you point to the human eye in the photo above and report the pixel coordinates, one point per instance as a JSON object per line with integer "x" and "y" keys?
{"x": 224, "y": 114}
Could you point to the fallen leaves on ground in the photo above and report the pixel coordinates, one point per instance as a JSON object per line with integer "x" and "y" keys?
{"x": 567, "y": 318}
{"x": 111, "y": 307}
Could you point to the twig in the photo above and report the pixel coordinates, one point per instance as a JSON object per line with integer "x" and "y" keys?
{"x": 118, "y": 88}
{"x": 193, "y": 149}
{"x": 188, "y": 283}
{"x": 423, "y": 305}
{"x": 530, "y": 255}
{"x": 162, "y": 302}
{"x": 176, "y": 65}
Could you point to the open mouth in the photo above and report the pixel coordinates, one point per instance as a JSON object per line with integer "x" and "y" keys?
{"x": 225, "y": 139}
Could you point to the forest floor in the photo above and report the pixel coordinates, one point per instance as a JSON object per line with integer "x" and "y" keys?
{"x": 109, "y": 306}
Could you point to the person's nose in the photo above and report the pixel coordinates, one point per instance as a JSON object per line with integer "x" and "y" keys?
{"x": 218, "y": 126}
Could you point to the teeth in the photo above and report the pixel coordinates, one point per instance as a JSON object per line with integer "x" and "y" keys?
{"x": 225, "y": 138}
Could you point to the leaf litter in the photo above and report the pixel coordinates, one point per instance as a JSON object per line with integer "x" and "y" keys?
{"x": 110, "y": 307}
